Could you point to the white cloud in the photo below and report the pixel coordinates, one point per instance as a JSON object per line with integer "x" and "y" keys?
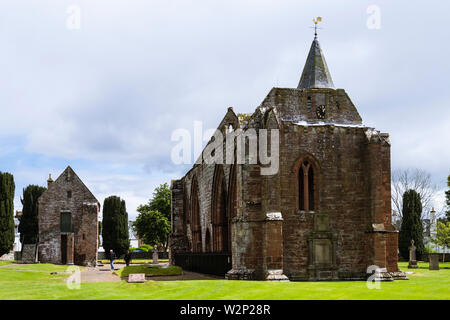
{"x": 110, "y": 94}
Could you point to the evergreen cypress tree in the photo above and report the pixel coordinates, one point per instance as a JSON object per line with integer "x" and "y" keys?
{"x": 412, "y": 228}
{"x": 28, "y": 226}
{"x": 115, "y": 226}
{"x": 7, "y": 188}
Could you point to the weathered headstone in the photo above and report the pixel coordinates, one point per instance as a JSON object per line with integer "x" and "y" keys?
{"x": 155, "y": 257}
{"x": 412, "y": 256}
{"x": 29, "y": 253}
{"x": 136, "y": 277}
{"x": 434, "y": 261}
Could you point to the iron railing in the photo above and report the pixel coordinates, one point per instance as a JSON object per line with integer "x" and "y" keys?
{"x": 210, "y": 263}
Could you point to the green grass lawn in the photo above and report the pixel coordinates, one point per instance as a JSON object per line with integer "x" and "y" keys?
{"x": 425, "y": 284}
{"x": 151, "y": 271}
{"x": 44, "y": 267}
{"x": 4, "y": 263}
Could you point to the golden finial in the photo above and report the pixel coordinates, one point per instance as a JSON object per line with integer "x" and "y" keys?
{"x": 316, "y": 21}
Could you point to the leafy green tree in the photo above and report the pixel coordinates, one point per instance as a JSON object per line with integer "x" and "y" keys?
{"x": 412, "y": 228}
{"x": 442, "y": 235}
{"x": 115, "y": 226}
{"x": 28, "y": 226}
{"x": 152, "y": 226}
{"x": 160, "y": 201}
{"x": 7, "y": 188}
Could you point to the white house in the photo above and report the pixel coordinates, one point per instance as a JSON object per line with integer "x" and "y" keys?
{"x": 134, "y": 240}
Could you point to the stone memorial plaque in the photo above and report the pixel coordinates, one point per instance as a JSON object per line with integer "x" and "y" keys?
{"x": 322, "y": 251}
{"x": 136, "y": 277}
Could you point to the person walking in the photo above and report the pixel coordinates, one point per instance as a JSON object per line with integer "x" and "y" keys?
{"x": 112, "y": 257}
{"x": 127, "y": 257}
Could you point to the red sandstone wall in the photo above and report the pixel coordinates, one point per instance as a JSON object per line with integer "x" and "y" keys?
{"x": 352, "y": 188}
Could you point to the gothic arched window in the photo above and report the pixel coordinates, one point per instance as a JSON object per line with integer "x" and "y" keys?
{"x": 196, "y": 225}
{"x": 221, "y": 239}
{"x": 306, "y": 186}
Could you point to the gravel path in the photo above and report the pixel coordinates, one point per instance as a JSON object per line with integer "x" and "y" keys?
{"x": 98, "y": 274}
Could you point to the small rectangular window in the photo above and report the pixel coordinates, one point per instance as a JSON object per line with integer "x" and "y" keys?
{"x": 66, "y": 222}
{"x": 69, "y": 194}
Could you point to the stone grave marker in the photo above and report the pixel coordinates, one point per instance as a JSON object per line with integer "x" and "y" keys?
{"x": 155, "y": 257}
{"x": 434, "y": 261}
{"x": 136, "y": 277}
{"x": 412, "y": 256}
{"x": 29, "y": 253}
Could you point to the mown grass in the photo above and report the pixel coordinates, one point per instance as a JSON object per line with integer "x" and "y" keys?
{"x": 424, "y": 284}
{"x": 150, "y": 270}
{"x": 4, "y": 263}
{"x": 44, "y": 267}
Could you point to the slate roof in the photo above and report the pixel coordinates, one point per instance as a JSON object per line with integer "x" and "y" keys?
{"x": 315, "y": 73}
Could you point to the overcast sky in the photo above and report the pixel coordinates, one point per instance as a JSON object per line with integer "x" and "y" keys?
{"x": 106, "y": 97}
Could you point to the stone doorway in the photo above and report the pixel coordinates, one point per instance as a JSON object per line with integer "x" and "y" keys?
{"x": 64, "y": 249}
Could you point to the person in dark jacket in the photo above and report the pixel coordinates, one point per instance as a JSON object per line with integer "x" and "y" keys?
{"x": 112, "y": 257}
{"x": 127, "y": 258}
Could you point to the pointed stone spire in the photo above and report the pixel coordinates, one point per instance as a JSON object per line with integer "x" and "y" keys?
{"x": 315, "y": 73}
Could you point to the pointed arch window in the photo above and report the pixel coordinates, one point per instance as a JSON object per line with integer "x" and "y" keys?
{"x": 196, "y": 223}
{"x": 221, "y": 238}
{"x": 306, "y": 186}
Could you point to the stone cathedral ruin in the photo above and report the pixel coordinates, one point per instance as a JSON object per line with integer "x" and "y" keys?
{"x": 326, "y": 213}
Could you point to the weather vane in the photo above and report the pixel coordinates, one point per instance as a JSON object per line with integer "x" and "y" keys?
{"x": 316, "y": 21}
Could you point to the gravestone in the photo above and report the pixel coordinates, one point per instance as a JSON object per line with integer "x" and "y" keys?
{"x": 434, "y": 261}
{"x": 155, "y": 257}
{"x": 412, "y": 256}
{"x": 136, "y": 277}
{"x": 29, "y": 253}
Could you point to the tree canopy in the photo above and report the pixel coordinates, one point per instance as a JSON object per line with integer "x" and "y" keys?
{"x": 152, "y": 226}
{"x": 115, "y": 226}
{"x": 153, "y": 222}
{"x": 28, "y": 226}
{"x": 7, "y": 188}
{"x": 160, "y": 201}
{"x": 442, "y": 234}
{"x": 412, "y": 228}
{"x": 412, "y": 179}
